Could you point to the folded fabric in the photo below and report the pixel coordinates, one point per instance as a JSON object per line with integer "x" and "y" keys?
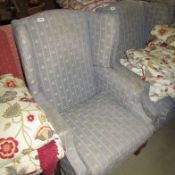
{"x": 24, "y": 128}
{"x": 155, "y": 64}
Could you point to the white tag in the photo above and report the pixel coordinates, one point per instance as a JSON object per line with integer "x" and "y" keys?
{"x": 40, "y": 19}
{"x": 112, "y": 8}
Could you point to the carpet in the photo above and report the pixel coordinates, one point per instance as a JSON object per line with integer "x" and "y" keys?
{"x": 157, "y": 158}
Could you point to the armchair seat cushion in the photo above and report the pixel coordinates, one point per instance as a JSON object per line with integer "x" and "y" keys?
{"x": 106, "y": 132}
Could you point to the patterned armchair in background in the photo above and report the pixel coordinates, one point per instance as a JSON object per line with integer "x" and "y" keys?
{"x": 68, "y": 59}
{"x": 136, "y": 19}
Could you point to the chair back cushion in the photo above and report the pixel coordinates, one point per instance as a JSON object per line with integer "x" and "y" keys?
{"x": 103, "y": 28}
{"x": 56, "y": 55}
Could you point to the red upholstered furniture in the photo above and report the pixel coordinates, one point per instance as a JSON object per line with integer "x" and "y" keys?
{"x": 9, "y": 59}
{"x": 10, "y": 63}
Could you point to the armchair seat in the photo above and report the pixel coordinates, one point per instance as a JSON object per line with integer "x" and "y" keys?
{"x": 107, "y": 133}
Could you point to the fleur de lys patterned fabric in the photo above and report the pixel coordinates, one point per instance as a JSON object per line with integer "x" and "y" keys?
{"x": 24, "y": 129}
{"x": 156, "y": 62}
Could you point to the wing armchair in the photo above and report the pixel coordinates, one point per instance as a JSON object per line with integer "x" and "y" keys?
{"x": 66, "y": 58}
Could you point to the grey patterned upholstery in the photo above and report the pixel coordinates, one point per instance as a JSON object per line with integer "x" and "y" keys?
{"x": 102, "y": 41}
{"x": 135, "y": 20}
{"x": 66, "y": 61}
{"x": 130, "y": 26}
{"x": 108, "y": 80}
{"x": 160, "y": 112}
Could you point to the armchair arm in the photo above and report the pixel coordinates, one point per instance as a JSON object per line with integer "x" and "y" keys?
{"x": 52, "y": 114}
{"x": 126, "y": 90}
{"x": 72, "y": 162}
{"x": 160, "y": 111}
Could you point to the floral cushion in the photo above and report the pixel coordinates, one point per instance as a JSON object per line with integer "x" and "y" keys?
{"x": 24, "y": 128}
{"x": 155, "y": 64}
{"x": 164, "y": 33}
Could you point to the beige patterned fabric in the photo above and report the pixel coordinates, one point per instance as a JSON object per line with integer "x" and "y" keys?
{"x": 156, "y": 63}
{"x": 24, "y": 128}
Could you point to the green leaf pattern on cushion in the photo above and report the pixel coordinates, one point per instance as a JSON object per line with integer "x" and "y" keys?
{"x": 12, "y": 111}
{"x": 8, "y": 96}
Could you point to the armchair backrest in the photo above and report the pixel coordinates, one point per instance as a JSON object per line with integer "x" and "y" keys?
{"x": 58, "y": 48}
{"x": 103, "y": 29}
{"x": 131, "y": 28}
{"x": 56, "y": 56}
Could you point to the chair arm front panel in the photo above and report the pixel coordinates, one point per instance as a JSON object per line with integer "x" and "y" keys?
{"x": 125, "y": 89}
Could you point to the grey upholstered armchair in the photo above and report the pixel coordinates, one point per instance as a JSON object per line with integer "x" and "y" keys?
{"x": 67, "y": 58}
{"x": 136, "y": 19}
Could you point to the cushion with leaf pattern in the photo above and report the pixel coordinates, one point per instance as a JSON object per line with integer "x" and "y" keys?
{"x": 24, "y": 128}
